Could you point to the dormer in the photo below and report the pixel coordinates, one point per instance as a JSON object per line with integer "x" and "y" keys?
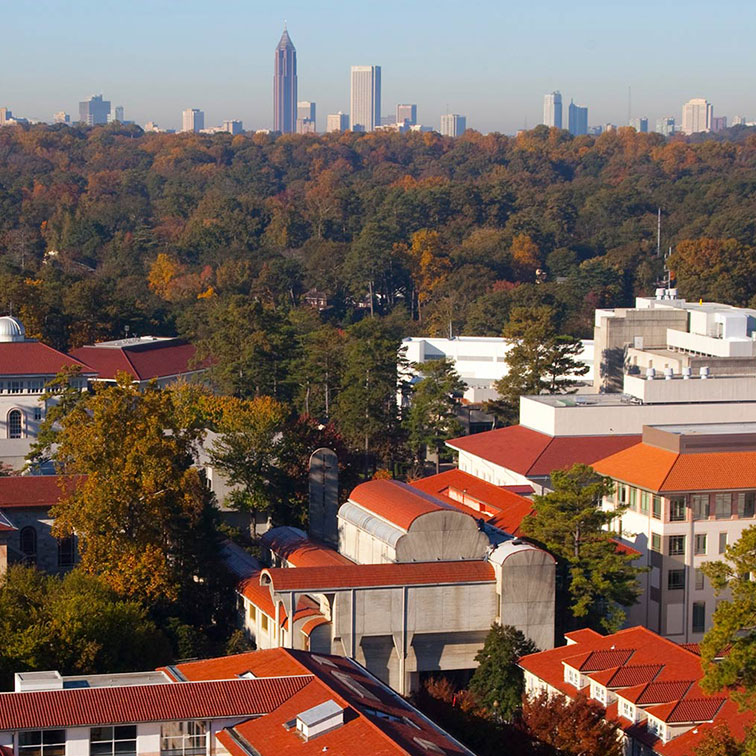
{"x": 573, "y": 677}
{"x": 319, "y": 719}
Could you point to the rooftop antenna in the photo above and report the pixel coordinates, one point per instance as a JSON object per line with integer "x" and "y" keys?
{"x": 658, "y": 232}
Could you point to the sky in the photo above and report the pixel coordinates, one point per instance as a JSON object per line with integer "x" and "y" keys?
{"x": 491, "y": 60}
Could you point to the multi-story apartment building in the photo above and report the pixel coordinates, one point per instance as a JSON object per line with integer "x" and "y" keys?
{"x": 645, "y": 683}
{"x": 278, "y": 702}
{"x": 697, "y": 115}
{"x": 665, "y": 126}
{"x": 419, "y": 575}
{"x": 365, "y": 98}
{"x": 690, "y": 491}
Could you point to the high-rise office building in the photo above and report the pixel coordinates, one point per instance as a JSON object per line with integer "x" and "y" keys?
{"x": 192, "y": 120}
{"x": 453, "y": 125}
{"x": 640, "y": 124}
{"x": 365, "y": 98}
{"x": 578, "y": 119}
{"x": 306, "y": 109}
{"x": 337, "y": 122}
{"x": 61, "y": 117}
{"x": 665, "y": 126}
{"x": 118, "y": 114}
{"x": 94, "y": 111}
{"x": 406, "y": 114}
{"x": 232, "y": 127}
{"x": 6, "y": 116}
{"x": 552, "y": 110}
{"x": 696, "y": 116}
{"x": 285, "y": 86}
{"x": 718, "y": 123}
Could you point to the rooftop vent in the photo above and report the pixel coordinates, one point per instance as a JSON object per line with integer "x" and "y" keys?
{"x": 47, "y": 680}
{"x": 319, "y": 719}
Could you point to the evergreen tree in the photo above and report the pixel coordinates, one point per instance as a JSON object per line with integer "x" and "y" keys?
{"x": 431, "y": 418}
{"x": 571, "y": 523}
{"x": 498, "y": 681}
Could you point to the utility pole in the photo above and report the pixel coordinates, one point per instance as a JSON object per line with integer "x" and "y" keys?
{"x": 658, "y": 232}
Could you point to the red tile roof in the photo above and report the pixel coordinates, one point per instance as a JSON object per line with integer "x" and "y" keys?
{"x": 310, "y": 625}
{"x": 34, "y": 490}
{"x": 396, "y": 502}
{"x": 154, "y": 359}
{"x": 260, "y": 596}
{"x": 661, "y": 470}
{"x": 35, "y": 358}
{"x": 535, "y": 454}
{"x": 500, "y": 507}
{"x": 81, "y": 707}
{"x": 273, "y": 662}
{"x": 301, "y": 551}
{"x": 320, "y": 579}
{"x": 672, "y": 694}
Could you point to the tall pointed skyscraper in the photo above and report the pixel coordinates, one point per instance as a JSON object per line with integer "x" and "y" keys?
{"x": 285, "y": 86}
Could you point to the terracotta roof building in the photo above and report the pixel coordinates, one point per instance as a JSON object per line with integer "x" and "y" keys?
{"x": 690, "y": 491}
{"x": 646, "y": 683}
{"x": 263, "y": 703}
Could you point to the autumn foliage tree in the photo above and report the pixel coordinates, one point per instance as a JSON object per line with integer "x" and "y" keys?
{"x": 572, "y": 726}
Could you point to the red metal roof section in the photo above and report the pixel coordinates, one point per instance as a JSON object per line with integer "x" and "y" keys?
{"x": 18, "y": 491}
{"x": 396, "y": 502}
{"x": 35, "y": 358}
{"x": 535, "y": 454}
{"x": 81, "y": 707}
{"x": 320, "y": 579}
{"x": 310, "y": 625}
{"x": 301, "y": 551}
{"x": 161, "y": 358}
{"x": 500, "y": 507}
{"x": 273, "y": 662}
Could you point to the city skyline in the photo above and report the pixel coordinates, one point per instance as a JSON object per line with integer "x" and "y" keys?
{"x": 164, "y": 61}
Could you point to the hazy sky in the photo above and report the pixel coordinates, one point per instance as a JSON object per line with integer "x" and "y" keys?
{"x": 491, "y": 60}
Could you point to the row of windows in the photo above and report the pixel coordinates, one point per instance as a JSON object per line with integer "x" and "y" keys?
{"x": 20, "y": 387}
{"x": 16, "y": 422}
{"x": 28, "y": 547}
{"x": 176, "y": 739}
{"x": 676, "y": 544}
{"x": 703, "y": 506}
{"x": 676, "y": 580}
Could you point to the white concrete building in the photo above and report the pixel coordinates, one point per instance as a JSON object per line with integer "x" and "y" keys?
{"x": 337, "y": 122}
{"x": 697, "y": 115}
{"x": 552, "y": 109}
{"x": 192, "y": 119}
{"x": 453, "y": 125}
{"x": 365, "y": 98}
{"x": 479, "y": 360}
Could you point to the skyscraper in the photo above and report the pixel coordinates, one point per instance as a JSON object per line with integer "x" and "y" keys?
{"x": 192, "y": 120}
{"x": 94, "y": 111}
{"x": 119, "y": 113}
{"x": 285, "y": 86}
{"x": 552, "y": 110}
{"x": 337, "y": 122}
{"x": 406, "y": 114}
{"x": 640, "y": 125}
{"x": 306, "y": 109}
{"x": 453, "y": 125}
{"x": 696, "y": 116}
{"x": 665, "y": 126}
{"x": 365, "y": 98}
{"x": 233, "y": 127}
{"x": 578, "y": 119}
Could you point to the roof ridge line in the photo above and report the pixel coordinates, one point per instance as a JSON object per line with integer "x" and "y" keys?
{"x": 669, "y": 472}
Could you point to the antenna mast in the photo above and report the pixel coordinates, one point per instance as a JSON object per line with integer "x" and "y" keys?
{"x": 658, "y": 232}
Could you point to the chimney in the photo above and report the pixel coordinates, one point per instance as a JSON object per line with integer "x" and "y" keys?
{"x": 324, "y": 496}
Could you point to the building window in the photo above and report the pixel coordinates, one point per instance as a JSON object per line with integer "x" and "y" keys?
{"x": 28, "y": 538}
{"x": 722, "y": 542}
{"x": 183, "y": 738}
{"x": 16, "y": 387}
{"x": 676, "y": 580}
{"x": 14, "y": 424}
{"x": 700, "y": 577}
{"x": 264, "y": 622}
{"x": 622, "y": 493}
{"x": 699, "y": 616}
{"x": 657, "y": 507}
{"x": 700, "y": 506}
{"x": 628, "y": 710}
{"x": 113, "y": 741}
{"x": 723, "y": 506}
{"x": 746, "y": 504}
{"x": 252, "y": 612}
{"x": 66, "y": 551}
{"x": 700, "y": 543}
{"x": 655, "y": 542}
{"x": 35, "y": 386}
{"x": 677, "y": 545}
{"x": 42, "y": 743}
{"x": 677, "y": 509}
{"x": 38, "y": 413}
{"x": 643, "y": 502}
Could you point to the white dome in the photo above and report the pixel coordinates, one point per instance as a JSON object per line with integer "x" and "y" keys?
{"x": 11, "y": 329}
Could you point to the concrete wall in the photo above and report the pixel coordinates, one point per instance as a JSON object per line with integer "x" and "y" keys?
{"x": 442, "y": 536}
{"x": 719, "y": 389}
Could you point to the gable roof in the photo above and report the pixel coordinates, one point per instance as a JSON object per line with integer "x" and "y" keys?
{"x": 535, "y": 454}
{"x": 320, "y": 579}
{"x": 655, "y": 469}
{"x": 396, "y": 502}
{"x": 144, "y": 361}
{"x": 81, "y": 707}
{"x": 17, "y": 491}
{"x": 499, "y": 506}
{"x": 35, "y": 358}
